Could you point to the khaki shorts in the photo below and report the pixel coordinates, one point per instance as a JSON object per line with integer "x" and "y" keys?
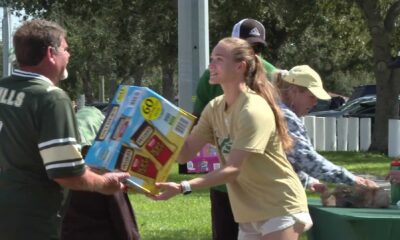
{"x": 255, "y": 230}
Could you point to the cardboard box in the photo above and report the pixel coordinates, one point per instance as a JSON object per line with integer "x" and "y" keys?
{"x": 142, "y": 134}
{"x": 205, "y": 161}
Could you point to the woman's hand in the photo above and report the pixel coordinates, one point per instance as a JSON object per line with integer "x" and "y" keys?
{"x": 318, "y": 187}
{"x": 169, "y": 190}
{"x": 366, "y": 183}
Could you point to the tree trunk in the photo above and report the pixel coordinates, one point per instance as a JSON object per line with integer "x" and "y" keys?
{"x": 138, "y": 76}
{"x": 87, "y": 85}
{"x": 388, "y": 88}
{"x": 387, "y": 107}
{"x": 168, "y": 81}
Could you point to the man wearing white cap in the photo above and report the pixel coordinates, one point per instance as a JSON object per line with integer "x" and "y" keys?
{"x": 223, "y": 225}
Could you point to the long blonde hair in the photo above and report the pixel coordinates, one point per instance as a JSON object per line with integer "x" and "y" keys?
{"x": 256, "y": 80}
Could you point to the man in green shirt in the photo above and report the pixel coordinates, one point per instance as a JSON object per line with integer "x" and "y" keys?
{"x": 39, "y": 140}
{"x": 223, "y": 225}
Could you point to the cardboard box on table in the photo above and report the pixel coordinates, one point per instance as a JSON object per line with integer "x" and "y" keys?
{"x": 142, "y": 134}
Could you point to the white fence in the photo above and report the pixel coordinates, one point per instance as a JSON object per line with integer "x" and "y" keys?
{"x": 348, "y": 134}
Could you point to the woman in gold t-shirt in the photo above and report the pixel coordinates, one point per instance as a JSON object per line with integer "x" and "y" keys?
{"x": 248, "y": 127}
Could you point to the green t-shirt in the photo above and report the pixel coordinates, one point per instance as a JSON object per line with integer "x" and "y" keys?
{"x": 39, "y": 141}
{"x": 206, "y": 92}
{"x": 89, "y": 122}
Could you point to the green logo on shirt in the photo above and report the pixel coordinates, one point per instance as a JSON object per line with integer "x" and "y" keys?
{"x": 226, "y": 145}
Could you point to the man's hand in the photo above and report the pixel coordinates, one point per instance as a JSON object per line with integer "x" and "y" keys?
{"x": 112, "y": 182}
{"x": 105, "y": 183}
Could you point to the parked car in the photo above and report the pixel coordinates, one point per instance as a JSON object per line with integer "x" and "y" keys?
{"x": 338, "y": 100}
{"x": 102, "y": 106}
{"x": 353, "y": 107}
{"x": 322, "y": 105}
{"x": 363, "y": 107}
{"x": 325, "y": 105}
{"x": 363, "y": 90}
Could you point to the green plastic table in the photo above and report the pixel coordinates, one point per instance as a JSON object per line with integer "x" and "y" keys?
{"x": 331, "y": 223}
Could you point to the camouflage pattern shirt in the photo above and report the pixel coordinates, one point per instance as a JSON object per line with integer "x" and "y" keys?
{"x": 306, "y": 160}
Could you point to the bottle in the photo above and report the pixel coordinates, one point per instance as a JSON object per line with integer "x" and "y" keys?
{"x": 395, "y": 187}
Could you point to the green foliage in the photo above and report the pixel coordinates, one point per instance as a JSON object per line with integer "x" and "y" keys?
{"x": 112, "y": 39}
{"x": 343, "y": 81}
{"x": 127, "y": 40}
{"x": 153, "y": 80}
{"x": 338, "y": 50}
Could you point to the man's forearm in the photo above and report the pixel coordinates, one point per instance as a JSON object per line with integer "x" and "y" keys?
{"x": 91, "y": 181}
{"x": 88, "y": 181}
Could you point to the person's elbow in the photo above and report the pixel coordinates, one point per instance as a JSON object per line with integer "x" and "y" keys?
{"x": 232, "y": 173}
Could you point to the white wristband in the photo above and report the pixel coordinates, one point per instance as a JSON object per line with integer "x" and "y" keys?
{"x": 186, "y": 189}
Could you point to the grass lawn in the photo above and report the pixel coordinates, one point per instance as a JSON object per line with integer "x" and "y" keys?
{"x": 188, "y": 217}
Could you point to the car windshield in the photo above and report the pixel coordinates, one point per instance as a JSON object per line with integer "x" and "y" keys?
{"x": 354, "y": 102}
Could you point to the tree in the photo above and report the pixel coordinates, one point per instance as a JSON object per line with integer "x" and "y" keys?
{"x": 131, "y": 41}
{"x": 337, "y": 49}
{"x": 162, "y": 36}
{"x": 380, "y": 18}
{"x": 298, "y": 32}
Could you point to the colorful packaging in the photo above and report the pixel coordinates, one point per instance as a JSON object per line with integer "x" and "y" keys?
{"x": 142, "y": 134}
{"x": 205, "y": 161}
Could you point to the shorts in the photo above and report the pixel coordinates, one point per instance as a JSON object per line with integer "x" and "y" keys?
{"x": 255, "y": 230}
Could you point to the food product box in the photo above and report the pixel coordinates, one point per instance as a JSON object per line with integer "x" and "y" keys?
{"x": 205, "y": 161}
{"x": 142, "y": 134}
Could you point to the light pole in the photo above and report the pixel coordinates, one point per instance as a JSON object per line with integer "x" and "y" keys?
{"x": 193, "y": 48}
{"x": 6, "y": 42}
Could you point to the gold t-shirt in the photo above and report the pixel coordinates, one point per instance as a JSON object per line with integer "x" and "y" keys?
{"x": 267, "y": 185}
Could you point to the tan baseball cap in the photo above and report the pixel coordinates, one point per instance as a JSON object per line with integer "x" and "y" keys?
{"x": 305, "y": 76}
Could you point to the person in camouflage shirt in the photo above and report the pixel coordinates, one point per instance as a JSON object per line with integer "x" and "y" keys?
{"x": 300, "y": 88}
